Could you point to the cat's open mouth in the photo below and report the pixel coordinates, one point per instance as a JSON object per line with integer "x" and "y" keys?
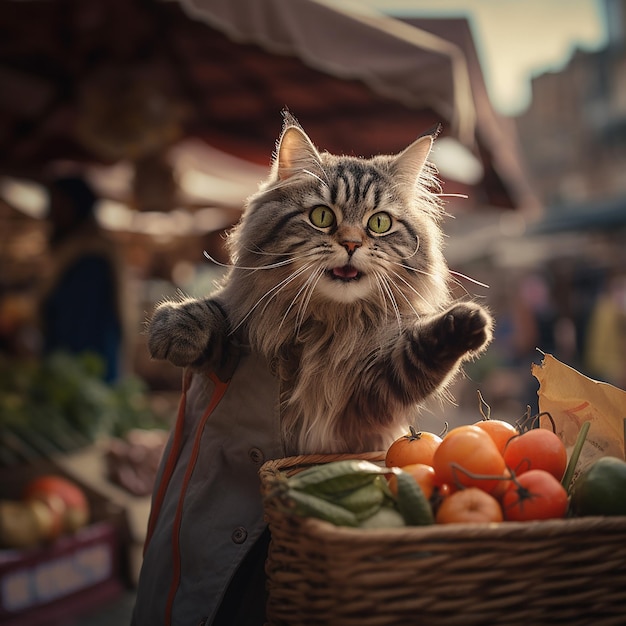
{"x": 345, "y": 273}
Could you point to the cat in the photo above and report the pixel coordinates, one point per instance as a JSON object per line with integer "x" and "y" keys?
{"x": 338, "y": 278}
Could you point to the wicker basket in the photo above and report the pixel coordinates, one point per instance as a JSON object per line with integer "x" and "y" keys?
{"x": 551, "y": 572}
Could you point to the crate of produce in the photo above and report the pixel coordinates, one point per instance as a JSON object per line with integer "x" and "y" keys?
{"x": 48, "y": 584}
{"x": 560, "y": 571}
{"x": 61, "y": 547}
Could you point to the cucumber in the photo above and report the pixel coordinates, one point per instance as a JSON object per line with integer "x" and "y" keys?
{"x": 309, "y": 505}
{"x": 336, "y": 477}
{"x": 364, "y": 501}
{"x": 412, "y": 503}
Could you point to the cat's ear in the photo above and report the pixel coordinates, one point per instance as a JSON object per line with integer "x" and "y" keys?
{"x": 409, "y": 164}
{"x": 295, "y": 152}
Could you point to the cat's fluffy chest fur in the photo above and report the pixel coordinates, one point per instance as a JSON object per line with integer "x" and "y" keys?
{"x": 339, "y": 277}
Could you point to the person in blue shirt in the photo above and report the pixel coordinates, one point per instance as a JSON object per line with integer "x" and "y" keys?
{"x": 81, "y": 305}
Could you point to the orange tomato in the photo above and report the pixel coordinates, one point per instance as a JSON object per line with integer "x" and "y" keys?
{"x": 499, "y": 430}
{"x": 414, "y": 447}
{"x": 537, "y": 448}
{"x": 469, "y": 505}
{"x": 424, "y": 476}
{"x": 468, "y": 457}
{"x": 535, "y": 495}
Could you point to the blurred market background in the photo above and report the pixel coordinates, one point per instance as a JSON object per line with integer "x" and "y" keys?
{"x": 170, "y": 110}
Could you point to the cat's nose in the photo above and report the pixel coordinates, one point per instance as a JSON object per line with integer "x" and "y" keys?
{"x": 351, "y": 246}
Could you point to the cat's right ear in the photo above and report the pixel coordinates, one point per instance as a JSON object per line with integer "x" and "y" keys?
{"x": 295, "y": 152}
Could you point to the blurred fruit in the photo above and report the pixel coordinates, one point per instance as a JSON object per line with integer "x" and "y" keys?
{"x": 23, "y": 526}
{"x": 61, "y": 495}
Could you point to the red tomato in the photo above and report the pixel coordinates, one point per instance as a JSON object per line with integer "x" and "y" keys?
{"x": 537, "y": 448}
{"x": 534, "y": 495}
{"x": 468, "y": 457}
{"x": 414, "y": 447}
{"x": 499, "y": 430}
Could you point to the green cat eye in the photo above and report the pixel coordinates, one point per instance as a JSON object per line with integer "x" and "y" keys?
{"x": 322, "y": 217}
{"x": 379, "y": 223}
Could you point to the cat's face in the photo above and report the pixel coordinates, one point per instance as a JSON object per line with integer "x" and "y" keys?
{"x": 352, "y": 231}
{"x": 343, "y": 230}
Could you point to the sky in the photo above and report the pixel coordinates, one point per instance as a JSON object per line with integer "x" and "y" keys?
{"x": 516, "y": 39}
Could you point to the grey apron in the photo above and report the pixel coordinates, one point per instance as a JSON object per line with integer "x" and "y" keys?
{"x": 207, "y": 512}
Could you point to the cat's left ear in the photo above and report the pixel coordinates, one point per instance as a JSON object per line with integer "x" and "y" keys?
{"x": 409, "y": 164}
{"x": 295, "y": 152}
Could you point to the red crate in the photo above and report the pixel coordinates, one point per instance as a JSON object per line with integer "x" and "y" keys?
{"x": 48, "y": 584}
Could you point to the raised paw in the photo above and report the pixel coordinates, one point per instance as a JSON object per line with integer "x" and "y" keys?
{"x": 468, "y": 326}
{"x": 181, "y": 332}
{"x": 463, "y": 329}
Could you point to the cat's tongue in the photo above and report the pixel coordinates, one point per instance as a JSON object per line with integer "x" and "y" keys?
{"x": 347, "y": 271}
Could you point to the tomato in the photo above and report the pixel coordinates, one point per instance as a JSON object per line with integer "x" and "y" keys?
{"x": 469, "y": 505}
{"x": 534, "y": 495}
{"x": 466, "y": 456}
{"x": 415, "y": 447}
{"x": 601, "y": 488}
{"x": 61, "y": 495}
{"x": 499, "y": 430}
{"x": 537, "y": 448}
{"x": 424, "y": 476}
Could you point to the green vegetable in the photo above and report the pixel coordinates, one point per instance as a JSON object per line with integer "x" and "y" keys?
{"x": 385, "y": 517}
{"x": 356, "y": 493}
{"x": 412, "y": 503}
{"x": 600, "y": 489}
{"x": 308, "y": 505}
{"x": 60, "y": 403}
{"x": 364, "y": 501}
{"x": 573, "y": 460}
{"x": 336, "y": 477}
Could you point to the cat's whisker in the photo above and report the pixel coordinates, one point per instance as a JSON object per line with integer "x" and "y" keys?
{"x": 468, "y": 278}
{"x": 277, "y": 254}
{"x": 295, "y": 298}
{"x": 392, "y": 299}
{"x": 284, "y": 283}
{"x": 417, "y": 270}
{"x": 271, "y": 293}
{"x": 311, "y": 283}
{"x": 415, "y": 291}
{"x": 417, "y": 247}
{"x": 310, "y": 173}
{"x": 404, "y": 296}
{"x": 452, "y": 195}
{"x": 383, "y": 298}
{"x": 254, "y": 269}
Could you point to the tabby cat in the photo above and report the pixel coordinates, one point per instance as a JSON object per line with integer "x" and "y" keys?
{"x": 338, "y": 278}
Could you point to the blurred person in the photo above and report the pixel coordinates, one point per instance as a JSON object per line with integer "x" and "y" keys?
{"x": 81, "y": 302}
{"x": 605, "y": 349}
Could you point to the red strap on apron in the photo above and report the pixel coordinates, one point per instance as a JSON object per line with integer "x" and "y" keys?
{"x": 170, "y": 465}
{"x": 174, "y": 453}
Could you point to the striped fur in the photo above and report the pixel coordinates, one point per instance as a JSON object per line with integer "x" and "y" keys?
{"x": 360, "y": 322}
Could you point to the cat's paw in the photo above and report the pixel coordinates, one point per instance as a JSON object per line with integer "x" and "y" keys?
{"x": 181, "y": 332}
{"x": 465, "y": 328}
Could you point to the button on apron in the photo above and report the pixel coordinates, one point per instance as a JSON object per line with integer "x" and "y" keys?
{"x": 240, "y": 534}
{"x": 256, "y": 455}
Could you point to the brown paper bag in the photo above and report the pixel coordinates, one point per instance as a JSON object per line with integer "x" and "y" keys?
{"x": 573, "y": 399}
